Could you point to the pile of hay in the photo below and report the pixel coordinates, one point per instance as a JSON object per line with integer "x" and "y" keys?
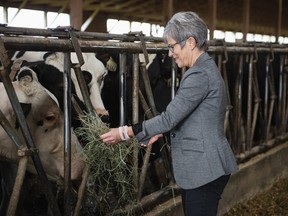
{"x": 110, "y": 179}
{"x": 271, "y": 202}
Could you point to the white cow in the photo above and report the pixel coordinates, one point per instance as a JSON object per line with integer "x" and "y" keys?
{"x": 46, "y": 123}
{"x": 93, "y": 70}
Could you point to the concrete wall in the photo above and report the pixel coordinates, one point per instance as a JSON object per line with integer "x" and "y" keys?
{"x": 254, "y": 176}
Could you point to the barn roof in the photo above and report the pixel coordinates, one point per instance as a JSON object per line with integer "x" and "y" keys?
{"x": 264, "y": 15}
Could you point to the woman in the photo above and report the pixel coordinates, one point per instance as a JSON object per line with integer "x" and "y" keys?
{"x": 201, "y": 155}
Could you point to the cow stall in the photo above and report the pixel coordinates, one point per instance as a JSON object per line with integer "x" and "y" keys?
{"x": 256, "y": 117}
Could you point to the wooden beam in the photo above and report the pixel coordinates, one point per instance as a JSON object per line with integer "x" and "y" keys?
{"x": 246, "y": 18}
{"x": 212, "y": 17}
{"x": 61, "y": 10}
{"x": 168, "y": 10}
{"x": 22, "y": 6}
{"x": 76, "y": 13}
{"x": 279, "y": 21}
{"x": 94, "y": 14}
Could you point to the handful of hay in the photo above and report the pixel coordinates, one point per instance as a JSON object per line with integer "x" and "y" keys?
{"x": 110, "y": 174}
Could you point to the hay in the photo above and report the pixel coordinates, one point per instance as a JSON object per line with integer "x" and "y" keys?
{"x": 110, "y": 174}
{"x": 274, "y": 202}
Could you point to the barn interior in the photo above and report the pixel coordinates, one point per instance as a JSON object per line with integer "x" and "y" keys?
{"x": 257, "y": 131}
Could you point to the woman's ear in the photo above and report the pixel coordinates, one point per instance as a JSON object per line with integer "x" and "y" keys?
{"x": 192, "y": 41}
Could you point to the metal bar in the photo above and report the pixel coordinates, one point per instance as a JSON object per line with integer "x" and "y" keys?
{"x": 14, "y": 136}
{"x": 54, "y": 32}
{"x": 135, "y": 116}
{"x": 135, "y": 97}
{"x": 144, "y": 167}
{"x": 238, "y": 105}
{"x": 21, "y": 171}
{"x": 256, "y": 101}
{"x": 266, "y": 96}
{"x": 122, "y": 86}
{"x": 148, "y": 88}
{"x": 285, "y": 109}
{"x": 173, "y": 76}
{"x": 280, "y": 97}
{"x": 272, "y": 97}
{"x": 64, "y": 45}
{"x": 249, "y": 104}
{"x": 67, "y": 132}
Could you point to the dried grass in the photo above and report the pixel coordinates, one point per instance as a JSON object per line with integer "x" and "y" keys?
{"x": 271, "y": 202}
{"x": 110, "y": 174}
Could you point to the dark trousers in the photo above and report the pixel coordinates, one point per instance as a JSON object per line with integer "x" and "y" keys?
{"x": 203, "y": 201}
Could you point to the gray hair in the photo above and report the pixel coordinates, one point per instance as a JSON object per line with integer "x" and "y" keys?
{"x": 184, "y": 25}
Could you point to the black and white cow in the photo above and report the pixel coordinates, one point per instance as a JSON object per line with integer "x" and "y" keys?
{"x": 49, "y": 67}
{"x": 159, "y": 71}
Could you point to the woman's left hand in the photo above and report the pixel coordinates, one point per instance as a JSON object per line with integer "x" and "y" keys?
{"x": 152, "y": 140}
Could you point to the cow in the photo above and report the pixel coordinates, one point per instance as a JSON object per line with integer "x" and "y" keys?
{"x": 46, "y": 63}
{"x": 46, "y": 123}
{"x": 159, "y": 71}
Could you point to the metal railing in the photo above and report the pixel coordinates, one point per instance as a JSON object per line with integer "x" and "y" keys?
{"x": 255, "y": 76}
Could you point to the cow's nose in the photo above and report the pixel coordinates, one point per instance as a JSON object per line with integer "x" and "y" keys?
{"x": 105, "y": 118}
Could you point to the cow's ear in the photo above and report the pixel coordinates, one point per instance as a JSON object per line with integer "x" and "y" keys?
{"x": 25, "y": 72}
{"x": 26, "y": 108}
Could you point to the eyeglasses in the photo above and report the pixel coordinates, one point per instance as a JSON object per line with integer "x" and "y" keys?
{"x": 171, "y": 46}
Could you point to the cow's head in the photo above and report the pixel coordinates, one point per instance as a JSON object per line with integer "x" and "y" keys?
{"x": 46, "y": 123}
{"x": 93, "y": 71}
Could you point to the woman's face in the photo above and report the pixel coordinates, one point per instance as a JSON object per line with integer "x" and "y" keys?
{"x": 177, "y": 52}
{"x": 182, "y": 55}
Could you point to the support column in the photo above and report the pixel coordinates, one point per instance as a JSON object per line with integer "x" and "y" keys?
{"x": 76, "y": 13}
{"x": 246, "y": 19}
{"x": 279, "y": 21}
{"x": 168, "y": 10}
{"x": 212, "y": 17}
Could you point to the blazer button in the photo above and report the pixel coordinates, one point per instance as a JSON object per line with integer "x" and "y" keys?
{"x": 173, "y": 135}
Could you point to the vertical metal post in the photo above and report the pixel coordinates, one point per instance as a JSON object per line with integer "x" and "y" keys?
{"x": 238, "y": 105}
{"x": 135, "y": 115}
{"x": 266, "y": 95}
{"x": 173, "y": 77}
{"x": 67, "y": 132}
{"x": 122, "y": 86}
{"x": 249, "y": 104}
{"x": 280, "y": 97}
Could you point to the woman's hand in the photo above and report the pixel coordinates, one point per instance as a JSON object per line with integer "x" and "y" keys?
{"x": 152, "y": 140}
{"x": 111, "y": 137}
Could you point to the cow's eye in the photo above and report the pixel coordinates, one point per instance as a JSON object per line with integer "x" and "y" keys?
{"x": 50, "y": 118}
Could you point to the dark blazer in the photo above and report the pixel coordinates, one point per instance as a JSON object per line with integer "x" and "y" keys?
{"x": 195, "y": 119}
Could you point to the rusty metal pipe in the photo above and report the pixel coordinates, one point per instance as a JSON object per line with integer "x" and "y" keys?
{"x": 249, "y": 104}
{"x": 81, "y": 192}
{"x": 148, "y": 88}
{"x": 21, "y": 171}
{"x": 256, "y": 101}
{"x": 64, "y": 45}
{"x": 135, "y": 116}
